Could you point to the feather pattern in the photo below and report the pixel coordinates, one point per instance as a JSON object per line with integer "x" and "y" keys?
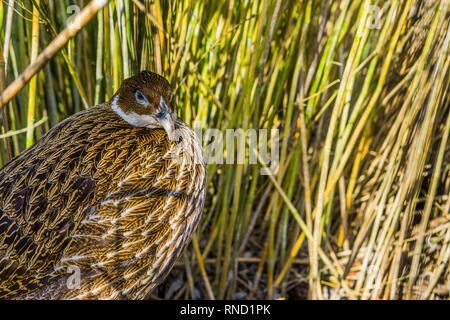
{"x": 116, "y": 202}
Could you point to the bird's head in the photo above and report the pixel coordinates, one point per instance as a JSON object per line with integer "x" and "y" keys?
{"x": 145, "y": 100}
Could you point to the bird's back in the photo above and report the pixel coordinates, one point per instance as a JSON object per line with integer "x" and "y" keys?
{"x": 98, "y": 208}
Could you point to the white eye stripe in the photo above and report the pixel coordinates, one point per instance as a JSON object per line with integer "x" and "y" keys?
{"x": 137, "y": 120}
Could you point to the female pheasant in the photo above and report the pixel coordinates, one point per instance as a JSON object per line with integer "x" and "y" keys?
{"x": 105, "y": 202}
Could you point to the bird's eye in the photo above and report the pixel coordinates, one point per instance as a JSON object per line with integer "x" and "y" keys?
{"x": 140, "y": 98}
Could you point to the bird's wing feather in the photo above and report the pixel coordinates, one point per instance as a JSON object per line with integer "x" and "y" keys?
{"x": 43, "y": 196}
{"x": 144, "y": 220}
{"x": 102, "y": 196}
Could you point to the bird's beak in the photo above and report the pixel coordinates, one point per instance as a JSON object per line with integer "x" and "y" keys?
{"x": 165, "y": 119}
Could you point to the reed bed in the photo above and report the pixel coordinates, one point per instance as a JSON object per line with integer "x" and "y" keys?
{"x": 358, "y": 90}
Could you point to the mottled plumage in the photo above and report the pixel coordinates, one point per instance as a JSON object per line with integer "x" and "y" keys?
{"x": 116, "y": 202}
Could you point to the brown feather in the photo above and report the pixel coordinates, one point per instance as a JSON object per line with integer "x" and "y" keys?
{"x": 101, "y": 195}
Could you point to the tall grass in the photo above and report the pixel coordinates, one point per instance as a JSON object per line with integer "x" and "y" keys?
{"x": 359, "y": 91}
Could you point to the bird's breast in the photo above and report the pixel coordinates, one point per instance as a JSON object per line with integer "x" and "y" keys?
{"x": 150, "y": 202}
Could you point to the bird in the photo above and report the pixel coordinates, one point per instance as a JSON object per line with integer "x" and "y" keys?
{"x": 103, "y": 204}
